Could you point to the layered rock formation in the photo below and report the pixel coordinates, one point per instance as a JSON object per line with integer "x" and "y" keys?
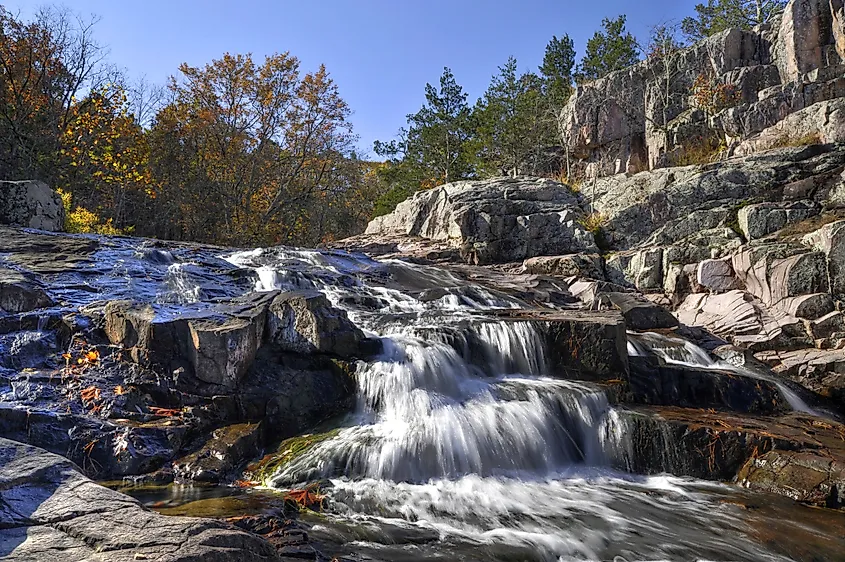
{"x": 784, "y": 81}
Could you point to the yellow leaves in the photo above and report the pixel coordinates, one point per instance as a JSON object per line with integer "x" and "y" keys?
{"x": 119, "y": 390}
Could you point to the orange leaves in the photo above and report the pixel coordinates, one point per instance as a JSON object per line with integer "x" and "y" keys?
{"x": 164, "y": 412}
{"x": 119, "y": 390}
{"x": 308, "y": 498}
{"x": 90, "y": 394}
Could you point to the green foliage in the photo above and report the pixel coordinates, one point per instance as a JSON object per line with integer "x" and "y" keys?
{"x": 515, "y": 123}
{"x": 558, "y": 69}
{"x": 718, "y": 15}
{"x": 611, "y": 49}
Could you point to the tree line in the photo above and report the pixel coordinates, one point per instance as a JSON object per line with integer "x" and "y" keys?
{"x": 245, "y": 151}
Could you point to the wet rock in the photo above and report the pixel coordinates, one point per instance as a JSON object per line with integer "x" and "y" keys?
{"x": 762, "y": 219}
{"x": 494, "y": 221}
{"x": 223, "y": 453}
{"x": 51, "y": 512}
{"x": 653, "y": 382}
{"x": 582, "y": 345}
{"x": 305, "y": 322}
{"x": 796, "y": 455}
{"x": 640, "y": 313}
{"x": 45, "y": 254}
{"x": 585, "y": 266}
{"x": 813, "y": 477}
{"x": 20, "y": 294}
{"x": 31, "y": 204}
{"x": 292, "y": 393}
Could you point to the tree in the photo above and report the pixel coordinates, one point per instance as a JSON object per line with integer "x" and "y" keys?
{"x": 719, "y": 15}
{"x": 513, "y": 128}
{"x": 557, "y": 70}
{"x": 250, "y": 152}
{"x": 609, "y": 50}
{"x": 44, "y": 64}
{"x": 435, "y": 146}
{"x": 105, "y": 158}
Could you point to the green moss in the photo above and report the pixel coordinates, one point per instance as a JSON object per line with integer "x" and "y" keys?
{"x": 288, "y": 451}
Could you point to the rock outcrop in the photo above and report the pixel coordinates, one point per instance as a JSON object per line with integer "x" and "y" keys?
{"x": 499, "y": 220}
{"x": 648, "y": 116}
{"x": 50, "y": 511}
{"x": 31, "y": 204}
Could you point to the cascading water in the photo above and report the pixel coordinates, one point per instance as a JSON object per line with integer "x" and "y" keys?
{"x": 461, "y": 438}
{"x": 684, "y": 353}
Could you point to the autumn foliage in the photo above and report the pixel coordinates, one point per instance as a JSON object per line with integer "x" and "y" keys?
{"x": 237, "y": 151}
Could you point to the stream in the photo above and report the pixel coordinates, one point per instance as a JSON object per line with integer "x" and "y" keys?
{"x": 462, "y": 446}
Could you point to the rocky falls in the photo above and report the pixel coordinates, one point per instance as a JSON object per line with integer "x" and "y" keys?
{"x": 649, "y": 365}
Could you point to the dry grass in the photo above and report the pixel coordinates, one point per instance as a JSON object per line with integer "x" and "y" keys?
{"x": 806, "y": 140}
{"x": 698, "y": 153}
{"x": 594, "y": 222}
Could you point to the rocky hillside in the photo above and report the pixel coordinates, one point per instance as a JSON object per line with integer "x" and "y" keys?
{"x": 744, "y": 90}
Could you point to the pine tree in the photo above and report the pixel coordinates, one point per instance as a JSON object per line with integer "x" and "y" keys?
{"x": 513, "y": 128}
{"x": 609, "y": 50}
{"x": 558, "y": 68}
{"x": 719, "y": 15}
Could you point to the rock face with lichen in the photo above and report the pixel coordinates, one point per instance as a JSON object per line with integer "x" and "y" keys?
{"x": 785, "y": 80}
{"x": 31, "y": 204}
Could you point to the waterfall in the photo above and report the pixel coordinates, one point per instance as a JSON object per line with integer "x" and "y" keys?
{"x": 677, "y": 351}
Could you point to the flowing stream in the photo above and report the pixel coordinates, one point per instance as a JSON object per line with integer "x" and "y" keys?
{"x": 463, "y": 448}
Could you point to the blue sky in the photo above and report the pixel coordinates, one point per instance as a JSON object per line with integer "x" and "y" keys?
{"x": 380, "y": 52}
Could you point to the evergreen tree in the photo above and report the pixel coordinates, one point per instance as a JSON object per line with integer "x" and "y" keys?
{"x": 513, "y": 128}
{"x": 718, "y": 15}
{"x": 612, "y": 49}
{"x": 558, "y": 68}
{"x": 435, "y": 148}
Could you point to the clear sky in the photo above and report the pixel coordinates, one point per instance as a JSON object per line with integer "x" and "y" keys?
{"x": 380, "y": 52}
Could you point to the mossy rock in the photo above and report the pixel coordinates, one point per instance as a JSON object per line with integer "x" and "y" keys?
{"x": 288, "y": 451}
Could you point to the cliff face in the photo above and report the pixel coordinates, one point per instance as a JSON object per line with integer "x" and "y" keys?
{"x": 646, "y": 116}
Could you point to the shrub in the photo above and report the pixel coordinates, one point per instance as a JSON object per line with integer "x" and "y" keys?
{"x": 80, "y": 220}
{"x": 713, "y": 96}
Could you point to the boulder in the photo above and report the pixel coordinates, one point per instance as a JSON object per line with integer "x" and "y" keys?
{"x": 776, "y": 273}
{"x": 830, "y": 239}
{"x": 493, "y": 221}
{"x": 809, "y": 307}
{"x": 31, "y": 204}
{"x": 642, "y": 269}
{"x": 217, "y": 345}
{"x": 762, "y": 219}
{"x": 52, "y": 512}
{"x": 639, "y": 313}
{"x": 585, "y": 266}
{"x": 19, "y": 294}
{"x": 717, "y": 275}
{"x": 305, "y": 322}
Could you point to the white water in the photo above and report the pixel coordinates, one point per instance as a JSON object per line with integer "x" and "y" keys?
{"x": 460, "y": 432}
{"x": 684, "y": 353}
